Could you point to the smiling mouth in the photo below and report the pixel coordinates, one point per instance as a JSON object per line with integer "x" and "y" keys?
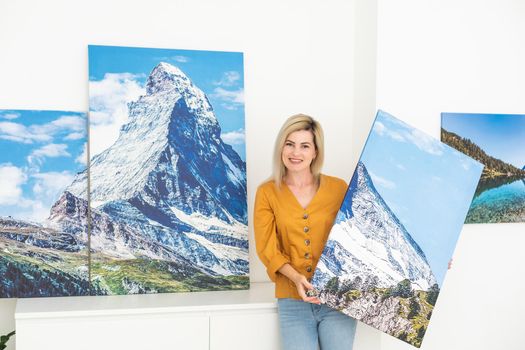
{"x": 295, "y": 161}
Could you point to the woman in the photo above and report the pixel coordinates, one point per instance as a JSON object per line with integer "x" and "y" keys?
{"x": 294, "y": 212}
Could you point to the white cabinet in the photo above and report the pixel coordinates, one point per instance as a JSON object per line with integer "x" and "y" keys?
{"x": 114, "y": 332}
{"x": 189, "y": 321}
{"x": 253, "y": 331}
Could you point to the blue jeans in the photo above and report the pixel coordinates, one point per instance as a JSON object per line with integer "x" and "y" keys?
{"x": 304, "y": 326}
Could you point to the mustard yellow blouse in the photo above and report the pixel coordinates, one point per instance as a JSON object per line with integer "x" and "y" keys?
{"x": 285, "y": 232}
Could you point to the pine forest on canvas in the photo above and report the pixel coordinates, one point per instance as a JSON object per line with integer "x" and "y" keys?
{"x": 388, "y": 251}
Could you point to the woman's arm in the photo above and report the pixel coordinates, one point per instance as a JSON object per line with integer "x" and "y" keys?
{"x": 265, "y": 229}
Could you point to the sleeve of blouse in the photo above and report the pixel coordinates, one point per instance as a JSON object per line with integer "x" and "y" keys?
{"x": 267, "y": 244}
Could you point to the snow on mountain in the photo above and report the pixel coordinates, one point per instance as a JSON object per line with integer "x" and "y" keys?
{"x": 207, "y": 224}
{"x": 169, "y": 186}
{"x": 234, "y": 173}
{"x": 368, "y": 240}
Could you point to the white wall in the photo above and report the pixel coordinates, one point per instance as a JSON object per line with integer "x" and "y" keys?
{"x": 318, "y": 58}
{"x": 461, "y": 56}
{"x": 300, "y": 56}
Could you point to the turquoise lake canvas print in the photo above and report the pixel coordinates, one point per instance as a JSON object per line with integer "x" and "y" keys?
{"x": 497, "y": 141}
{"x": 387, "y": 254}
{"x": 43, "y": 236}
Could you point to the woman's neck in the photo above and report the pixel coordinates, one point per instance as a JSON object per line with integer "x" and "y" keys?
{"x": 302, "y": 179}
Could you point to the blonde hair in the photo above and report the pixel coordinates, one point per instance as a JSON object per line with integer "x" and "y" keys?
{"x": 296, "y": 123}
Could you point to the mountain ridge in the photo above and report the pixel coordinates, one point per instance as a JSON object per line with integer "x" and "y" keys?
{"x": 493, "y": 167}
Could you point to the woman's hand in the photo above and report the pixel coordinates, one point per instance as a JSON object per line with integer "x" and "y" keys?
{"x": 301, "y": 283}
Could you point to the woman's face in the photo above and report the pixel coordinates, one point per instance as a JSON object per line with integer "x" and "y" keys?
{"x": 299, "y": 151}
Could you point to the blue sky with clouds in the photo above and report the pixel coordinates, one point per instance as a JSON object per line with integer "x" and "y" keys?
{"x": 428, "y": 185}
{"x": 500, "y": 135}
{"x": 41, "y": 153}
{"x": 117, "y": 76}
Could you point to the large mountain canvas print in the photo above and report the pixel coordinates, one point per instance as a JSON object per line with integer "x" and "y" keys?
{"x": 497, "y": 141}
{"x": 167, "y": 171}
{"x": 43, "y": 235}
{"x": 388, "y": 251}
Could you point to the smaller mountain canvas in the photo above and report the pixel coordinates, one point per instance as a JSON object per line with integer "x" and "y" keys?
{"x": 167, "y": 171}
{"x": 387, "y": 254}
{"x": 43, "y": 241}
{"x": 498, "y": 142}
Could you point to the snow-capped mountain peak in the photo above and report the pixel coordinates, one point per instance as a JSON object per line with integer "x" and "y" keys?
{"x": 166, "y": 77}
{"x": 170, "y": 177}
{"x": 368, "y": 240}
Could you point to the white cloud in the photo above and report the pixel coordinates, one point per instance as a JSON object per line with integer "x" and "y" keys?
{"x": 46, "y": 189}
{"x": 399, "y": 123}
{"x": 20, "y": 133}
{"x": 396, "y": 136}
{"x": 49, "y": 186}
{"x": 230, "y": 107}
{"x": 11, "y": 178}
{"x": 379, "y": 128}
{"x": 74, "y": 123}
{"x": 10, "y": 116}
{"x": 380, "y": 181}
{"x": 176, "y": 58}
{"x": 82, "y": 158}
{"x": 425, "y": 142}
{"x": 63, "y": 123}
{"x": 108, "y": 107}
{"x": 41, "y": 132}
{"x": 465, "y": 162}
{"x": 74, "y": 136}
{"x": 180, "y": 59}
{"x": 38, "y": 211}
{"x": 234, "y": 137}
{"x": 52, "y": 150}
{"x": 229, "y": 78}
{"x": 422, "y": 141}
{"x": 236, "y": 96}
{"x": 232, "y": 99}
